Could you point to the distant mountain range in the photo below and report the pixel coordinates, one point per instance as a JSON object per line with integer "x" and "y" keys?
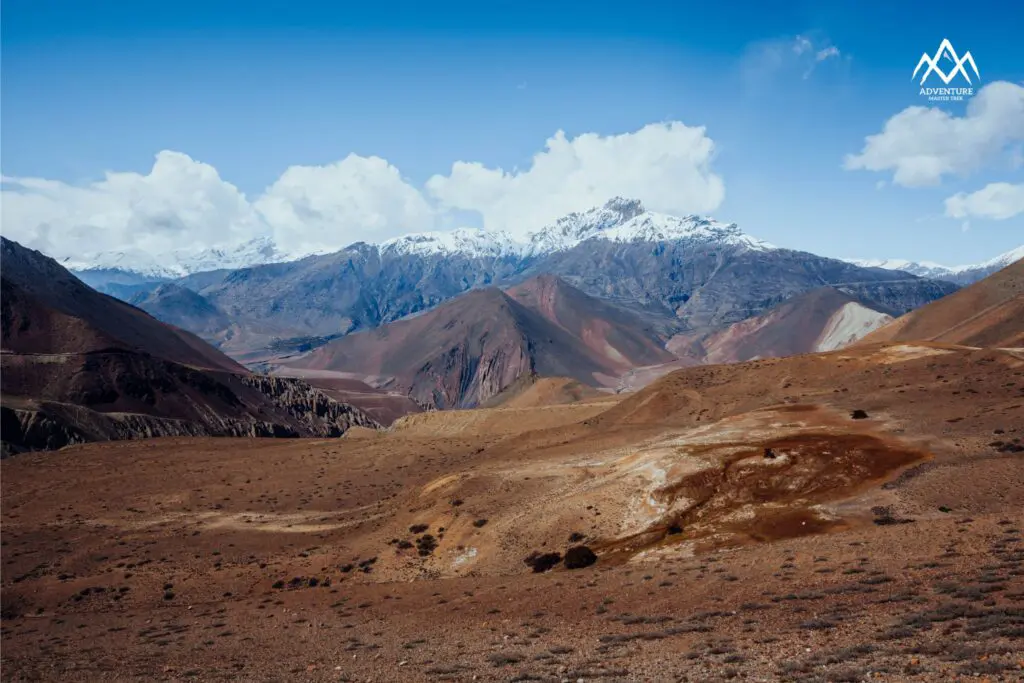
{"x": 693, "y": 274}
{"x": 610, "y": 298}
{"x": 961, "y": 275}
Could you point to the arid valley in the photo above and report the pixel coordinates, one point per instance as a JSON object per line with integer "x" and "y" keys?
{"x": 882, "y": 548}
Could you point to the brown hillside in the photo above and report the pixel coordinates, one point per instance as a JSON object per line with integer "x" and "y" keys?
{"x": 471, "y": 348}
{"x": 81, "y": 366}
{"x": 989, "y": 313}
{"x": 52, "y": 311}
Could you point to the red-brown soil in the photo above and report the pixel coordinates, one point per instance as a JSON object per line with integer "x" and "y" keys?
{"x": 886, "y": 547}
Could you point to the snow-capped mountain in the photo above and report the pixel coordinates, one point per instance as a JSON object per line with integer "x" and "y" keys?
{"x": 959, "y": 274}
{"x": 619, "y": 220}
{"x": 626, "y": 220}
{"x": 180, "y": 262}
{"x": 468, "y": 241}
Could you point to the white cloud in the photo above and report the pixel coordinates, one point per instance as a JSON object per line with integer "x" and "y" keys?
{"x": 666, "y": 166}
{"x": 182, "y": 203}
{"x": 179, "y": 203}
{"x": 801, "y": 44}
{"x": 767, "y": 60}
{"x": 995, "y": 201}
{"x": 356, "y": 199}
{"x": 921, "y": 145}
{"x": 829, "y": 52}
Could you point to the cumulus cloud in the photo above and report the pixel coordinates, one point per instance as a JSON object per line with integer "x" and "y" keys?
{"x": 667, "y": 166}
{"x": 182, "y": 203}
{"x": 179, "y": 203}
{"x": 922, "y": 145}
{"x": 312, "y": 208}
{"x": 995, "y": 201}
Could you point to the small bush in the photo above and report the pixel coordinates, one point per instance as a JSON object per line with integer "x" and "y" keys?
{"x": 542, "y": 562}
{"x": 579, "y": 556}
{"x": 479, "y": 523}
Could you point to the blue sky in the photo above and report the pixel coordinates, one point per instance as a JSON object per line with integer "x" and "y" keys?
{"x": 251, "y": 89}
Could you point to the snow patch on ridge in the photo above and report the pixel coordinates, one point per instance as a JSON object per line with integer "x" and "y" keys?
{"x": 930, "y": 269}
{"x": 469, "y": 241}
{"x": 182, "y": 262}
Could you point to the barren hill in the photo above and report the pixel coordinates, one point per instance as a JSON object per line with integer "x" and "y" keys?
{"x": 48, "y": 310}
{"x": 987, "y": 313}
{"x": 81, "y": 366}
{"x": 469, "y": 349}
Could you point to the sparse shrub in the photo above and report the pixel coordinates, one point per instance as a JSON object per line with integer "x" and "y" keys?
{"x": 541, "y": 562}
{"x": 418, "y": 528}
{"x": 425, "y": 545}
{"x": 858, "y": 415}
{"x": 479, "y": 523}
{"x": 579, "y": 556}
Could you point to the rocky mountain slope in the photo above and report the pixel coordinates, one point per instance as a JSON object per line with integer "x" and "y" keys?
{"x": 181, "y": 307}
{"x": 82, "y": 366}
{"x": 467, "y": 350}
{"x": 987, "y": 314}
{"x": 703, "y": 273}
{"x": 823, "y": 319}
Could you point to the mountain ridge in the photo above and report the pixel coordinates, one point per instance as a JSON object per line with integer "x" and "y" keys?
{"x": 471, "y": 348}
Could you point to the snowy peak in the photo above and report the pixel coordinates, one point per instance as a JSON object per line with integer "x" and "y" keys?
{"x": 181, "y": 262}
{"x": 468, "y": 241}
{"x": 626, "y": 220}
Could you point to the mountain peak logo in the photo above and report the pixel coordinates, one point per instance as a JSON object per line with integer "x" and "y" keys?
{"x": 946, "y": 53}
